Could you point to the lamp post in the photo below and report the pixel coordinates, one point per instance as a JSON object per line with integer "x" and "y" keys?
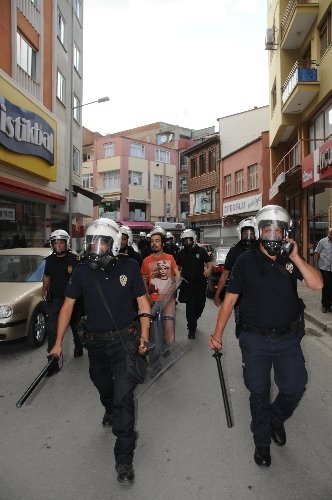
{"x": 71, "y": 162}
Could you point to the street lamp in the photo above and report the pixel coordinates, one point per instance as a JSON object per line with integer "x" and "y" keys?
{"x": 71, "y": 162}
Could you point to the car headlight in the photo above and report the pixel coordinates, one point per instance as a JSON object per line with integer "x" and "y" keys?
{"x": 5, "y": 311}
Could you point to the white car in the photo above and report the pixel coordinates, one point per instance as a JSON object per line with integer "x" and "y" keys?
{"x": 22, "y": 311}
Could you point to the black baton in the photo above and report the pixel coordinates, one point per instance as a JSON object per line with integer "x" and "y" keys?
{"x": 51, "y": 360}
{"x": 217, "y": 355}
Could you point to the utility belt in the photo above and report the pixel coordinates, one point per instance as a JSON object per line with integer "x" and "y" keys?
{"x": 272, "y": 332}
{"x": 108, "y": 336}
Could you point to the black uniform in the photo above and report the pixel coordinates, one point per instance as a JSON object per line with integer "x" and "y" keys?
{"x": 107, "y": 358}
{"x": 133, "y": 255}
{"x": 268, "y": 338}
{"x": 192, "y": 261}
{"x": 59, "y": 269}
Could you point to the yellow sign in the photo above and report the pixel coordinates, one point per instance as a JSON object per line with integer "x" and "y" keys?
{"x": 28, "y": 133}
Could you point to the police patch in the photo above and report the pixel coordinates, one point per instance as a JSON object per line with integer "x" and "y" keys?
{"x": 289, "y": 267}
{"x": 197, "y": 256}
{"x": 123, "y": 279}
{"x": 69, "y": 269}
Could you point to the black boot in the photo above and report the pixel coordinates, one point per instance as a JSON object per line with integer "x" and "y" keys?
{"x": 125, "y": 473}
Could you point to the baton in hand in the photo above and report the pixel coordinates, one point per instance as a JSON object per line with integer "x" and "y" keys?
{"x": 217, "y": 355}
{"x": 52, "y": 359}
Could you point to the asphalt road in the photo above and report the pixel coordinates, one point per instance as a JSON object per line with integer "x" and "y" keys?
{"x": 55, "y": 447}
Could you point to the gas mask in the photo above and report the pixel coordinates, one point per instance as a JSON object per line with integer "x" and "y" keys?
{"x": 99, "y": 254}
{"x": 188, "y": 244}
{"x": 248, "y": 240}
{"x": 271, "y": 237}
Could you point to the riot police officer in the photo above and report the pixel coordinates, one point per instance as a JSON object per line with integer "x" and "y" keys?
{"x": 127, "y": 249}
{"x": 58, "y": 269}
{"x": 247, "y": 241}
{"x": 195, "y": 265}
{"x": 269, "y": 326}
{"x": 120, "y": 281}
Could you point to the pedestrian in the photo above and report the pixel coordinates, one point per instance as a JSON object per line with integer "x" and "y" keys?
{"x": 269, "y": 333}
{"x": 247, "y": 241}
{"x": 323, "y": 261}
{"x": 142, "y": 242}
{"x": 127, "y": 242}
{"x": 159, "y": 270}
{"x": 120, "y": 281}
{"x": 58, "y": 269}
{"x": 195, "y": 265}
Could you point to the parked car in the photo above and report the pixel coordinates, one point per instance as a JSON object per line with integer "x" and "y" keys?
{"x": 207, "y": 247}
{"x": 218, "y": 261}
{"x": 21, "y": 303}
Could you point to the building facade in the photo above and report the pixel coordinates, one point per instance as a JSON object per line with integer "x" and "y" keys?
{"x": 40, "y": 134}
{"x": 299, "y": 41}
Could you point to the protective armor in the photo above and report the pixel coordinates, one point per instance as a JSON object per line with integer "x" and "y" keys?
{"x": 126, "y": 230}
{"x": 277, "y": 218}
{"x": 188, "y": 233}
{"x": 102, "y": 231}
{"x": 247, "y": 223}
{"x": 57, "y": 235}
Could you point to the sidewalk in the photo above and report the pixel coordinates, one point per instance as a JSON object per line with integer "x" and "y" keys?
{"x": 313, "y": 312}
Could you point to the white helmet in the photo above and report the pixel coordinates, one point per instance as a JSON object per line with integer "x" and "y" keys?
{"x": 276, "y": 217}
{"x": 126, "y": 230}
{"x": 247, "y": 239}
{"x": 189, "y": 233}
{"x": 142, "y": 233}
{"x": 106, "y": 230}
{"x": 159, "y": 230}
{"x": 169, "y": 235}
{"x": 60, "y": 234}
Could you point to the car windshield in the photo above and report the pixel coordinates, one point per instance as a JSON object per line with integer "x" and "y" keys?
{"x": 21, "y": 268}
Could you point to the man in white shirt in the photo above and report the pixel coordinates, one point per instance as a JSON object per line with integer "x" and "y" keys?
{"x": 323, "y": 261}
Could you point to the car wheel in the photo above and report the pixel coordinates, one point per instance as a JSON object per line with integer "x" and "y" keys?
{"x": 37, "y": 328}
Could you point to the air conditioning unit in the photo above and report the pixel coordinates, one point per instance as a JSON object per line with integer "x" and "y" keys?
{"x": 270, "y": 39}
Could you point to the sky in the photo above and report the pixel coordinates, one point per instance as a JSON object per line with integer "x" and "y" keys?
{"x": 183, "y": 62}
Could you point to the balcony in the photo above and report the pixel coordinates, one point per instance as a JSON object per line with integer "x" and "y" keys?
{"x": 28, "y": 83}
{"x": 300, "y": 87}
{"x": 296, "y": 22}
{"x": 289, "y": 163}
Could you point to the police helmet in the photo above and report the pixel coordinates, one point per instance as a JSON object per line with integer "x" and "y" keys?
{"x": 57, "y": 235}
{"x": 169, "y": 235}
{"x": 142, "y": 233}
{"x": 278, "y": 220}
{"x": 159, "y": 230}
{"x": 99, "y": 232}
{"x": 246, "y": 232}
{"x": 126, "y": 230}
{"x": 188, "y": 233}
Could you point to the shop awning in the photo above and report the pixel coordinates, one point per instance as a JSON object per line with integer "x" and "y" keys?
{"x": 96, "y": 198}
{"x": 137, "y": 225}
{"x": 136, "y": 200}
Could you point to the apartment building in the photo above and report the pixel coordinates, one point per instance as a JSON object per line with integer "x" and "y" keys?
{"x": 141, "y": 173}
{"x": 299, "y": 42}
{"x": 40, "y": 133}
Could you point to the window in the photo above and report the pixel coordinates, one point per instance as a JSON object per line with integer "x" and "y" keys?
{"x": 328, "y": 122}
{"x": 111, "y": 180}
{"x": 183, "y": 186}
{"x": 137, "y": 150}
{"x": 202, "y": 164}
{"x": 88, "y": 181}
{"x": 253, "y": 177}
{"x": 61, "y": 28}
{"x": 76, "y": 109}
{"x": 239, "y": 182}
{"x": 60, "y": 86}
{"x": 325, "y": 34}
{"x": 135, "y": 178}
{"x": 158, "y": 181}
{"x": 108, "y": 149}
{"x": 26, "y": 56}
{"x": 168, "y": 209}
{"x": 162, "y": 155}
{"x": 227, "y": 185}
{"x": 212, "y": 160}
{"x": 76, "y": 160}
{"x": 183, "y": 162}
{"x": 170, "y": 183}
{"x": 193, "y": 167}
{"x": 78, "y": 9}
{"x": 320, "y": 128}
{"x": 77, "y": 57}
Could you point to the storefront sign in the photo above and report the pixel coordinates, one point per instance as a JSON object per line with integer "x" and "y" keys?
{"x": 241, "y": 205}
{"x": 7, "y": 213}
{"x": 317, "y": 165}
{"x": 25, "y": 132}
{"x": 274, "y": 189}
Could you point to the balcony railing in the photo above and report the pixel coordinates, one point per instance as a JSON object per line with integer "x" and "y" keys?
{"x": 291, "y": 160}
{"x": 289, "y": 13}
{"x": 31, "y": 12}
{"x": 28, "y": 83}
{"x": 302, "y": 72}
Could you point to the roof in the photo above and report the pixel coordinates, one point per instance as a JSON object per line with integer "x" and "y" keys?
{"x": 96, "y": 198}
{"x": 201, "y": 145}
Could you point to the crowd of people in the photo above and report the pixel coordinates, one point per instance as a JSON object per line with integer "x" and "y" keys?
{"x": 260, "y": 271}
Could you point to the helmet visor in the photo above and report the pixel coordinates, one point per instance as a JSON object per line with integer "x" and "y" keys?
{"x": 247, "y": 233}
{"x": 98, "y": 245}
{"x": 272, "y": 232}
